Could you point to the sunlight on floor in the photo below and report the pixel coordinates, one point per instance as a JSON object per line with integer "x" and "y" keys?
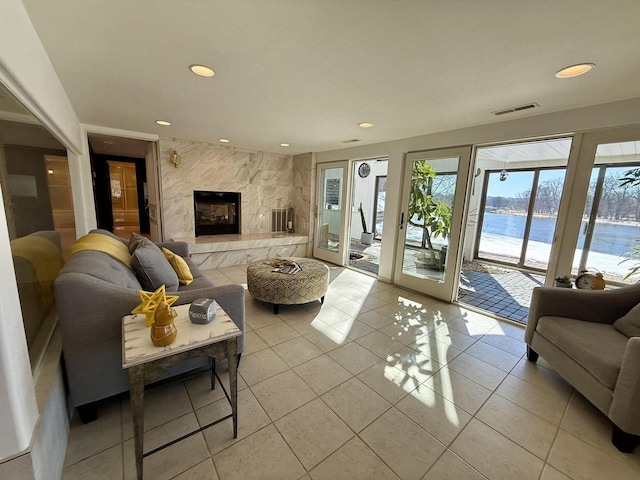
{"x": 378, "y": 382}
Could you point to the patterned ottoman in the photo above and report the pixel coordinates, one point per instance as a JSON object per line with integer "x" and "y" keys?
{"x": 308, "y": 285}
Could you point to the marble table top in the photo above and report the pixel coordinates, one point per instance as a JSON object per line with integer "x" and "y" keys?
{"x": 136, "y": 339}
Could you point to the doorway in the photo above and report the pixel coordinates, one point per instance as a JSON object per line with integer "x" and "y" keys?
{"x": 511, "y": 225}
{"x": 368, "y": 200}
{"x": 121, "y": 189}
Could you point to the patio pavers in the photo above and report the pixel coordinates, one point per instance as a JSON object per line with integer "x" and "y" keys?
{"x": 505, "y": 294}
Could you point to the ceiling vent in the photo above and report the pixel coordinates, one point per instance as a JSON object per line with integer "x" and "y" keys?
{"x": 353, "y": 140}
{"x": 519, "y": 108}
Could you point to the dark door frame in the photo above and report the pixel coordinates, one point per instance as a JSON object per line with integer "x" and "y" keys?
{"x": 102, "y": 190}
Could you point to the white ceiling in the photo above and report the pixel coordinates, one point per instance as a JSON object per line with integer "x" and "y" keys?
{"x": 118, "y": 146}
{"x": 307, "y": 72}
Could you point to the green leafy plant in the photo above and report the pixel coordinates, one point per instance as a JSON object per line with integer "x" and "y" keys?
{"x": 564, "y": 279}
{"x": 364, "y": 221}
{"x": 433, "y": 216}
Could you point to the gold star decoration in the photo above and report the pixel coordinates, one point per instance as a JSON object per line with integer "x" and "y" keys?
{"x": 149, "y": 302}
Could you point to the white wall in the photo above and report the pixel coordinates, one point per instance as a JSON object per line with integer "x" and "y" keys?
{"x": 27, "y": 72}
{"x": 364, "y": 190}
{"x": 603, "y": 116}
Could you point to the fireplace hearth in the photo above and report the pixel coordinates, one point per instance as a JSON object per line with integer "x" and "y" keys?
{"x": 216, "y": 213}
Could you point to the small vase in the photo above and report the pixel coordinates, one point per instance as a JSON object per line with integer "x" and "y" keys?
{"x": 163, "y": 330}
{"x": 563, "y": 285}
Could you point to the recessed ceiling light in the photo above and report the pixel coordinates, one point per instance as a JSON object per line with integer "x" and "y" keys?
{"x": 224, "y": 140}
{"x": 365, "y": 125}
{"x": 201, "y": 70}
{"x": 50, "y": 171}
{"x": 285, "y": 145}
{"x": 575, "y": 70}
{"x": 164, "y": 123}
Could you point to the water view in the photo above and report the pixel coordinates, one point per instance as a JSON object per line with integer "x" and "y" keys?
{"x": 502, "y": 235}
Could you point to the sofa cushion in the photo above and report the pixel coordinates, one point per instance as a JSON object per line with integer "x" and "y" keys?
{"x": 151, "y": 266}
{"x": 629, "y": 325}
{"x": 109, "y": 234}
{"x": 179, "y": 266}
{"x": 597, "y": 347}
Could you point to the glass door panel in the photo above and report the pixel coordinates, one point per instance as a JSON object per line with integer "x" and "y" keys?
{"x": 329, "y": 244}
{"x": 380, "y": 201}
{"x": 543, "y": 219}
{"x": 611, "y": 224}
{"x": 504, "y": 217}
{"x": 429, "y": 233}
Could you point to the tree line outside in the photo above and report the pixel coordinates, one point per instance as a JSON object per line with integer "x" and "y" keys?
{"x": 619, "y": 201}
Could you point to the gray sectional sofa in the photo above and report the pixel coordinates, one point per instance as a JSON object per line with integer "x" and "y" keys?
{"x": 93, "y": 292}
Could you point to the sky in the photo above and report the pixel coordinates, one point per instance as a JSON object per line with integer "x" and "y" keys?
{"x": 517, "y": 182}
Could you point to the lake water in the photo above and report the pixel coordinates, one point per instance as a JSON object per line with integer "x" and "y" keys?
{"x": 609, "y": 238}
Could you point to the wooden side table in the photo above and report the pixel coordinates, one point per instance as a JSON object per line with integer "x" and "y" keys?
{"x": 146, "y": 363}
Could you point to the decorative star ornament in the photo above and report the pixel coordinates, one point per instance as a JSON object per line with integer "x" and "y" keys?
{"x": 149, "y": 302}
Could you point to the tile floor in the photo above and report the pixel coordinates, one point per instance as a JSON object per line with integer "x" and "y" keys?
{"x": 376, "y": 383}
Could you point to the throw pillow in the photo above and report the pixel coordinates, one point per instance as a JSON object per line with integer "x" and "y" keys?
{"x": 185, "y": 277}
{"x": 630, "y": 323}
{"x": 151, "y": 266}
{"x": 135, "y": 241}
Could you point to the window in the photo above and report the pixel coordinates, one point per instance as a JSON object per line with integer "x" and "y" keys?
{"x": 36, "y": 191}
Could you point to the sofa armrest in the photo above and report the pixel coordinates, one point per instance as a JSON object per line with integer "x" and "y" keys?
{"x": 179, "y": 248}
{"x": 625, "y": 408}
{"x": 601, "y": 306}
{"x": 231, "y": 298}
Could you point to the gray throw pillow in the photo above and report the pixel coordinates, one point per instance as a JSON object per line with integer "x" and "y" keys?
{"x": 630, "y": 323}
{"x": 151, "y": 266}
{"x": 136, "y": 241}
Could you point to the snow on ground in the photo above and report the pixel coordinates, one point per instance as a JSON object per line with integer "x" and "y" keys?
{"x": 538, "y": 253}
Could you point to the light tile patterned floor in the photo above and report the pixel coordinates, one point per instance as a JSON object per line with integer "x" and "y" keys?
{"x": 376, "y": 383}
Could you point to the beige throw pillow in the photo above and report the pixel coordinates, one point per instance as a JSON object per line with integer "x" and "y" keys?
{"x": 630, "y": 323}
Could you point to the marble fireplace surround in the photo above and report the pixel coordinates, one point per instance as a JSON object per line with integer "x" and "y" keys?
{"x": 217, "y": 251}
{"x": 265, "y": 181}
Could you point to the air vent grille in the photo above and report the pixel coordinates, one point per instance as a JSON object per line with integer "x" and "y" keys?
{"x": 518, "y": 108}
{"x": 353, "y": 140}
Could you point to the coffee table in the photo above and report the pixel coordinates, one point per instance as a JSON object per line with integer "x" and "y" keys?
{"x": 146, "y": 363}
{"x": 309, "y": 284}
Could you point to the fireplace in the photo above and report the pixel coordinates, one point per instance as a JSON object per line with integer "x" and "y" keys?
{"x": 216, "y": 213}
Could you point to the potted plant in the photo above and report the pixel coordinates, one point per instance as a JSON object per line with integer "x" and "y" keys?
{"x": 563, "y": 282}
{"x": 366, "y": 237}
{"x": 433, "y": 216}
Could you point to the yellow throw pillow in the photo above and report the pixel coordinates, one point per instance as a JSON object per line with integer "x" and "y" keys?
{"x": 180, "y": 266}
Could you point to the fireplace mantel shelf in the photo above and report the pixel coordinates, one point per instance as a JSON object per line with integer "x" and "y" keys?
{"x": 227, "y": 243}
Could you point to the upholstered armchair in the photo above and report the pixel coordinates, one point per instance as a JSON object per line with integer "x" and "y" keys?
{"x": 574, "y": 331}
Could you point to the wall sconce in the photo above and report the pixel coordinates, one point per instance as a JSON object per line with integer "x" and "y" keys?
{"x": 175, "y": 159}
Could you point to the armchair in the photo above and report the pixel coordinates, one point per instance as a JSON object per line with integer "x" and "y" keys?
{"x": 573, "y": 331}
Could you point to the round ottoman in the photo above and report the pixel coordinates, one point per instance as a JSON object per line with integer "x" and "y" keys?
{"x": 307, "y": 285}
